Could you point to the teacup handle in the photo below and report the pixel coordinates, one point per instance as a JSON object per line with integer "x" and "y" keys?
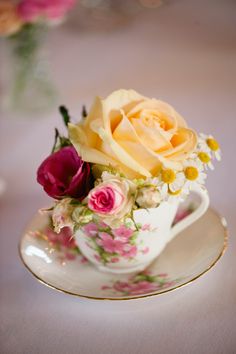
{"x": 195, "y": 215}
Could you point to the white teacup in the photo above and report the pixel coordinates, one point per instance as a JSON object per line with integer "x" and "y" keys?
{"x": 123, "y": 250}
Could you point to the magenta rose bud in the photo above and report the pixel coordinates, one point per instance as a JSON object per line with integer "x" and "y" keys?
{"x": 63, "y": 173}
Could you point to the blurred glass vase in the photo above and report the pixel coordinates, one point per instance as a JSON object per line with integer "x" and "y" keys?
{"x": 29, "y": 88}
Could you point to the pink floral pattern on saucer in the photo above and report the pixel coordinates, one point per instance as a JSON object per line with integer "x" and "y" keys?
{"x": 62, "y": 243}
{"x": 141, "y": 283}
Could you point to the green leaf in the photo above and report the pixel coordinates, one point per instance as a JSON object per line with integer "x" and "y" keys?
{"x": 64, "y": 141}
{"x": 55, "y": 140}
{"x": 65, "y": 115}
{"x": 75, "y": 202}
{"x": 98, "y": 169}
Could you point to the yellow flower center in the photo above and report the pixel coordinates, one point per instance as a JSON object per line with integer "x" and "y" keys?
{"x": 204, "y": 157}
{"x": 167, "y": 176}
{"x": 213, "y": 144}
{"x": 174, "y": 193}
{"x": 191, "y": 173}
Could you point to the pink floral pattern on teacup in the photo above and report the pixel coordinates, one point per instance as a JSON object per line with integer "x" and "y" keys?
{"x": 111, "y": 245}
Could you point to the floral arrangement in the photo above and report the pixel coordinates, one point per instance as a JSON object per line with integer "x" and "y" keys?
{"x": 24, "y": 23}
{"x": 128, "y": 152}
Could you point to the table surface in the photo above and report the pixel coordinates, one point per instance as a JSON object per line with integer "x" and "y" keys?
{"x": 184, "y": 53}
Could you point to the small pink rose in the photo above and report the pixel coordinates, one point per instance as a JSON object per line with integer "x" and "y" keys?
{"x": 106, "y": 199}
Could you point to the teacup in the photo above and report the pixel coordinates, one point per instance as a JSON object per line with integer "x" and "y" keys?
{"x": 132, "y": 246}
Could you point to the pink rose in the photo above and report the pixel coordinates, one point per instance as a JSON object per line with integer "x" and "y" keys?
{"x": 30, "y": 10}
{"x": 106, "y": 199}
{"x": 112, "y": 199}
{"x": 63, "y": 173}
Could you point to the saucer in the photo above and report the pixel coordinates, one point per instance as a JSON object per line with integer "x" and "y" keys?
{"x": 61, "y": 266}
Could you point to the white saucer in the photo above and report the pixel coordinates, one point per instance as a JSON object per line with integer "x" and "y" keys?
{"x": 191, "y": 254}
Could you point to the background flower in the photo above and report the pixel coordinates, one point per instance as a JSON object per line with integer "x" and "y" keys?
{"x": 10, "y": 21}
{"x": 30, "y": 10}
{"x": 63, "y": 173}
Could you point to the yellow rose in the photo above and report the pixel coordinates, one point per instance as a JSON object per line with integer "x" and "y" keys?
{"x": 133, "y": 133}
{"x": 10, "y": 21}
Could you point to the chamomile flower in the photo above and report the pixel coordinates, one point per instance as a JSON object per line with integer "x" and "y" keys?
{"x": 194, "y": 173}
{"x": 205, "y": 159}
{"x": 171, "y": 183}
{"x": 209, "y": 145}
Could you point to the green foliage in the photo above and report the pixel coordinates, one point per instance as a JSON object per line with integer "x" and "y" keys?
{"x": 61, "y": 141}
{"x": 98, "y": 169}
{"x": 65, "y": 115}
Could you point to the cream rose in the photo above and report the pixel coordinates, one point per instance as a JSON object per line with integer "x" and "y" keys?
{"x": 133, "y": 133}
{"x": 148, "y": 197}
{"x": 61, "y": 215}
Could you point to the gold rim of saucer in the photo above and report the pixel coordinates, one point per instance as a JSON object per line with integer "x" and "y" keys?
{"x": 224, "y": 248}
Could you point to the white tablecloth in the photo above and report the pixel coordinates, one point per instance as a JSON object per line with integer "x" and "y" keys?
{"x": 184, "y": 53}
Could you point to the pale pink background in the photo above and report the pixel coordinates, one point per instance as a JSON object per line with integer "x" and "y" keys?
{"x": 184, "y": 53}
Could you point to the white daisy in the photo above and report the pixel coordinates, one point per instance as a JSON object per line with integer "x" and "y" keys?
{"x": 205, "y": 159}
{"x": 171, "y": 183}
{"x": 194, "y": 173}
{"x": 209, "y": 145}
